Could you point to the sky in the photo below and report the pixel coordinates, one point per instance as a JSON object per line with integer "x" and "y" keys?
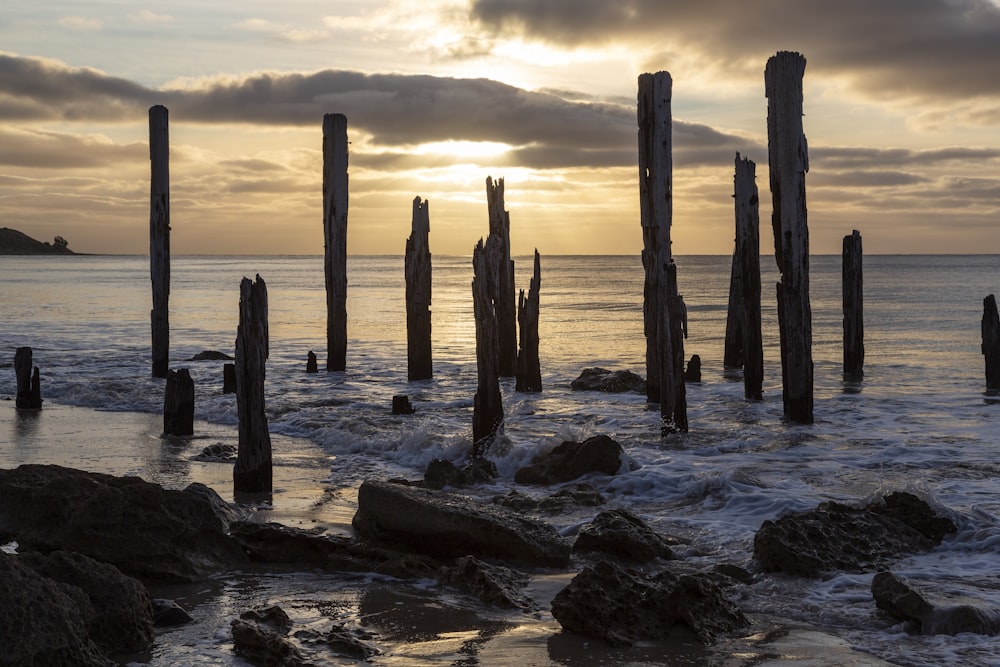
{"x": 901, "y": 104}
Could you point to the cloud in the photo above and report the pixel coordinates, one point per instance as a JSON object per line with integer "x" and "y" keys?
{"x": 284, "y": 31}
{"x": 146, "y": 16}
{"x": 52, "y": 150}
{"x": 80, "y": 23}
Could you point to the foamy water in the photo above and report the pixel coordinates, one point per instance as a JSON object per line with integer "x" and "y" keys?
{"x": 919, "y": 421}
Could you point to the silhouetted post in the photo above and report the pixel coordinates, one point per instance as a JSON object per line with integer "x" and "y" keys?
{"x": 229, "y": 378}
{"x": 663, "y": 309}
{"x": 178, "y": 403}
{"x": 335, "y": 238}
{"x": 747, "y": 255}
{"x": 732, "y": 354}
{"x": 502, "y": 278}
{"x": 853, "y": 295}
{"x": 159, "y": 237}
{"x": 418, "y": 295}
{"x": 991, "y": 344}
{"x": 312, "y": 366}
{"x": 529, "y": 372}
{"x": 252, "y": 472}
{"x": 487, "y": 416}
{"x": 29, "y": 390}
{"x": 788, "y": 162}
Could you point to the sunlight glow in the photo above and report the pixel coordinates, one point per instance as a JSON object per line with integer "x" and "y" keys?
{"x": 465, "y": 149}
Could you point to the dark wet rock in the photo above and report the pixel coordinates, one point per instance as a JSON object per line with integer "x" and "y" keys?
{"x": 312, "y": 366}
{"x": 401, "y": 405}
{"x": 274, "y": 617}
{"x": 570, "y": 460}
{"x": 734, "y": 573}
{"x": 441, "y": 473}
{"x": 211, "y": 355}
{"x": 613, "y": 382}
{"x": 117, "y": 609}
{"x": 574, "y": 495}
{"x": 451, "y": 525}
{"x": 143, "y": 529}
{"x": 492, "y": 584}
{"x": 693, "y": 371}
{"x": 915, "y": 513}
{"x": 168, "y": 614}
{"x": 262, "y": 646}
{"x": 217, "y": 452}
{"x": 620, "y": 533}
{"x": 834, "y": 537}
{"x": 275, "y": 543}
{"x": 903, "y": 600}
{"x": 355, "y": 644}
{"x": 623, "y": 607}
{"x": 43, "y": 622}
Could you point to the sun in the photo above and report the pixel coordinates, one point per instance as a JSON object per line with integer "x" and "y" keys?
{"x": 463, "y": 149}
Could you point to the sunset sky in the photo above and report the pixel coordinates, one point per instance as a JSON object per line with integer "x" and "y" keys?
{"x": 902, "y": 116}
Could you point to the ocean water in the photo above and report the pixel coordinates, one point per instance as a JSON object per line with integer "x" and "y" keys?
{"x": 918, "y": 422}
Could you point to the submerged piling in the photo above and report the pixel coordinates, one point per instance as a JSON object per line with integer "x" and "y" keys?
{"x": 747, "y": 256}
{"x": 853, "y": 298}
{"x": 732, "y": 352}
{"x": 178, "y": 403}
{"x": 29, "y": 390}
{"x": 529, "y": 372}
{"x": 788, "y": 162}
{"x": 663, "y": 309}
{"x": 159, "y": 238}
{"x": 487, "y": 415}
{"x": 502, "y": 278}
{"x": 991, "y": 344}
{"x": 252, "y": 472}
{"x": 335, "y": 238}
{"x": 419, "y": 365}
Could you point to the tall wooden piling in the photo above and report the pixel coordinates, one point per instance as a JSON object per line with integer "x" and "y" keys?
{"x": 747, "y": 255}
{"x": 178, "y": 403}
{"x": 159, "y": 238}
{"x": 487, "y": 416}
{"x": 252, "y": 472}
{"x": 29, "y": 390}
{"x": 663, "y": 309}
{"x": 529, "y": 372}
{"x": 788, "y": 162}
{"x": 732, "y": 353}
{"x": 853, "y": 297}
{"x": 418, "y": 295}
{"x": 991, "y": 344}
{"x": 335, "y": 238}
{"x": 502, "y": 280}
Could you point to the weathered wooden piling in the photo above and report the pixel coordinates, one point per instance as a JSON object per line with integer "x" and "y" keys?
{"x": 178, "y": 403}
{"x": 401, "y": 405}
{"x": 853, "y": 297}
{"x": 502, "y": 278}
{"x": 29, "y": 390}
{"x": 417, "y": 267}
{"x": 159, "y": 237}
{"x": 228, "y": 378}
{"x": 312, "y": 365}
{"x": 732, "y": 351}
{"x": 991, "y": 344}
{"x": 747, "y": 255}
{"x": 529, "y": 372}
{"x": 252, "y": 472}
{"x": 788, "y": 162}
{"x": 487, "y": 416}
{"x": 663, "y": 309}
{"x": 335, "y": 238}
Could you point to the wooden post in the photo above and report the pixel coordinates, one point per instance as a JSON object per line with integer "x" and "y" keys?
{"x": 178, "y": 403}
{"x": 747, "y": 254}
{"x": 312, "y": 365}
{"x": 502, "y": 278}
{"x": 335, "y": 238}
{"x": 663, "y": 308}
{"x": 159, "y": 238}
{"x": 788, "y": 162}
{"x": 252, "y": 472}
{"x": 529, "y": 373}
{"x": 487, "y": 416}
{"x": 418, "y": 295}
{"x": 229, "y": 378}
{"x": 854, "y": 324}
{"x": 732, "y": 354}
{"x": 991, "y": 345}
{"x": 29, "y": 390}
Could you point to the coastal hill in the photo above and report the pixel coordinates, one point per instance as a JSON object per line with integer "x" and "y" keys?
{"x": 13, "y": 242}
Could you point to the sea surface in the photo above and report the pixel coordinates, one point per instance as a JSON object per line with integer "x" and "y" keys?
{"x": 919, "y": 421}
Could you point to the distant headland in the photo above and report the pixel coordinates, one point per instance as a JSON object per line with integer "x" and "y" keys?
{"x": 13, "y": 242}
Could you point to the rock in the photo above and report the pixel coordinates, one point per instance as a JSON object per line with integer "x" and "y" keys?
{"x": 312, "y": 366}
{"x": 622, "y": 607}
{"x": 836, "y": 537}
{"x": 264, "y": 647}
{"x": 450, "y": 525}
{"x": 218, "y": 453}
{"x": 118, "y": 614}
{"x": 613, "y": 382}
{"x": 915, "y": 513}
{"x": 211, "y": 355}
{"x": 902, "y": 600}
{"x": 143, "y": 529}
{"x": 570, "y": 460}
{"x": 574, "y": 495}
{"x": 168, "y": 614}
{"x": 441, "y": 473}
{"x": 274, "y": 617}
{"x": 693, "y": 371}
{"x": 43, "y": 622}
{"x": 492, "y": 584}
{"x": 354, "y": 644}
{"x": 620, "y": 533}
{"x": 401, "y": 405}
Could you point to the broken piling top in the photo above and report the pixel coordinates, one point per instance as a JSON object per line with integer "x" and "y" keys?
{"x": 159, "y": 237}
{"x": 747, "y": 254}
{"x": 252, "y": 472}
{"x": 991, "y": 344}
{"x": 852, "y": 287}
{"x": 417, "y": 269}
{"x": 487, "y": 415}
{"x": 656, "y": 155}
{"x": 529, "y": 374}
{"x": 335, "y": 191}
{"x": 502, "y": 277}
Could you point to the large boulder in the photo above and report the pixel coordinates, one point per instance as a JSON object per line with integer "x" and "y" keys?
{"x": 492, "y": 584}
{"x": 622, "y": 606}
{"x": 143, "y": 529}
{"x": 903, "y": 600}
{"x": 570, "y": 460}
{"x": 451, "y": 525}
{"x": 835, "y": 537}
{"x": 612, "y": 382}
{"x": 620, "y": 533}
